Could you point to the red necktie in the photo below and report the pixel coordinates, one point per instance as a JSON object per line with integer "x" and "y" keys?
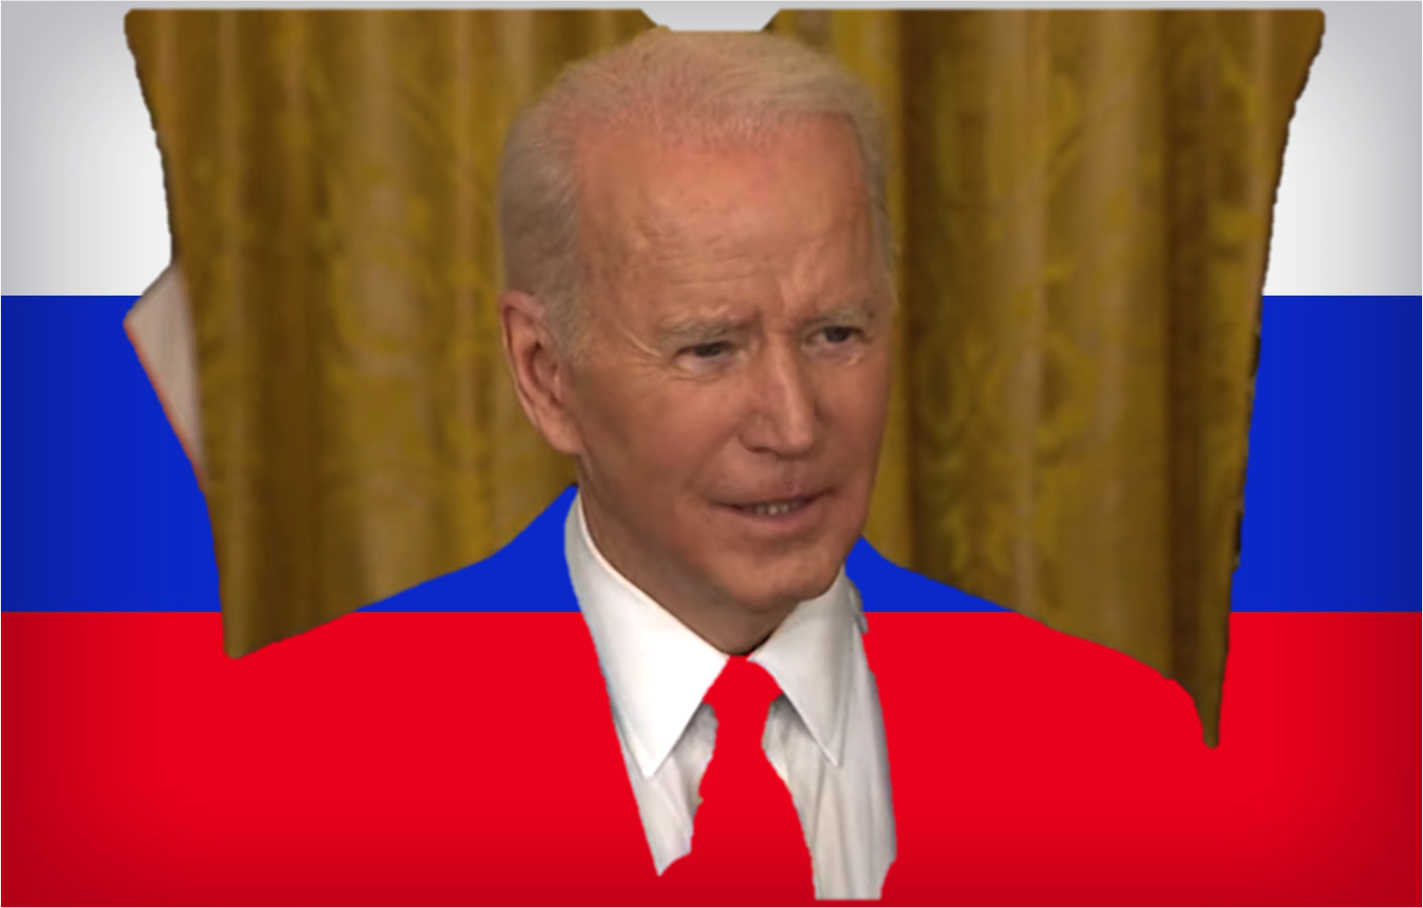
{"x": 747, "y": 841}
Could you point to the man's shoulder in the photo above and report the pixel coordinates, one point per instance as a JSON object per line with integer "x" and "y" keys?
{"x": 886, "y": 587}
{"x": 1009, "y": 677}
{"x": 943, "y": 636}
{"x": 528, "y": 574}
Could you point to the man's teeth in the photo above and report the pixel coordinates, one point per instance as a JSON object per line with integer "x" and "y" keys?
{"x": 774, "y": 508}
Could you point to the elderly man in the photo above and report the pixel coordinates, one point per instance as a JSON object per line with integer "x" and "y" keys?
{"x": 699, "y": 313}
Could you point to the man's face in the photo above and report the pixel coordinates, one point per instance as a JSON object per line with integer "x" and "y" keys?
{"x": 731, "y": 392}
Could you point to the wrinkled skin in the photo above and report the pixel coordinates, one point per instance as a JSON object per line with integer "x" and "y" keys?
{"x": 736, "y": 352}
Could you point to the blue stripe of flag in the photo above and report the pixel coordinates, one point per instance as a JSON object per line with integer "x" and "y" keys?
{"x": 103, "y": 513}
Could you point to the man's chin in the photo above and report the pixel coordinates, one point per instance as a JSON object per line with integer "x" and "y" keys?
{"x": 783, "y": 594}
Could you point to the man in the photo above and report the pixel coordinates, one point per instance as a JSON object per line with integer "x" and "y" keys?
{"x": 699, "y": 314}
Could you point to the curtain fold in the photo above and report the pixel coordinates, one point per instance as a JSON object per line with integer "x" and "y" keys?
{"x": 1082, "y": 203}
{"x": 1093, "y": 193}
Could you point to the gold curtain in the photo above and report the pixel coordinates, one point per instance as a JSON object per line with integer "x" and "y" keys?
{"x": 1082, "y": 201}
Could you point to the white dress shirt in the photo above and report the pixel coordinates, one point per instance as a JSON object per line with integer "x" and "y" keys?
{"x": 824, "y": 734}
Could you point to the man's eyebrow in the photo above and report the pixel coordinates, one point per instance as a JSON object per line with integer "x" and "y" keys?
{"x": 698, "y": 329}
{"x": 859, "y": 310}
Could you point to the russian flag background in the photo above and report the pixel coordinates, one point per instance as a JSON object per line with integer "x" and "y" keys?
{"x": 141, "y": 765}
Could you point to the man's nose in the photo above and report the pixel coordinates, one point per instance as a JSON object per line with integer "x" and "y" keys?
{"x": 785, "y": 417}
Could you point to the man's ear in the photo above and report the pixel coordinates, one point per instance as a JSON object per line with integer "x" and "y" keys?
{"x": 539, "y": 368}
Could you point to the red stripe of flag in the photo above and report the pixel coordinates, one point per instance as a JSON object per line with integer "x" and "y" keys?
{"x": 352, "y": 765}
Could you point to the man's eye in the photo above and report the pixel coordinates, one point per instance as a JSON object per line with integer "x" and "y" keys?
{"x": 709, "y": 351}
{"x": 838, "y": 334}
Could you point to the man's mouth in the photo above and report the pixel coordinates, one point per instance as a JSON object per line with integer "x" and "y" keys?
{"x": 774, "y": 508}
{"x": 782, "y": 506}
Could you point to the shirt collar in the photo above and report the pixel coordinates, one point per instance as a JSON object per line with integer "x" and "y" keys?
{"x": 658, "y": 670}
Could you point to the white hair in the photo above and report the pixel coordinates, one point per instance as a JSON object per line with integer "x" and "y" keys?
{"x": 727, "y": 87}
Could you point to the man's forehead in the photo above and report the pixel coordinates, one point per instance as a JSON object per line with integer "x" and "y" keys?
{"x": 647, "y": 193}
{"x": 663, "y": 172}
